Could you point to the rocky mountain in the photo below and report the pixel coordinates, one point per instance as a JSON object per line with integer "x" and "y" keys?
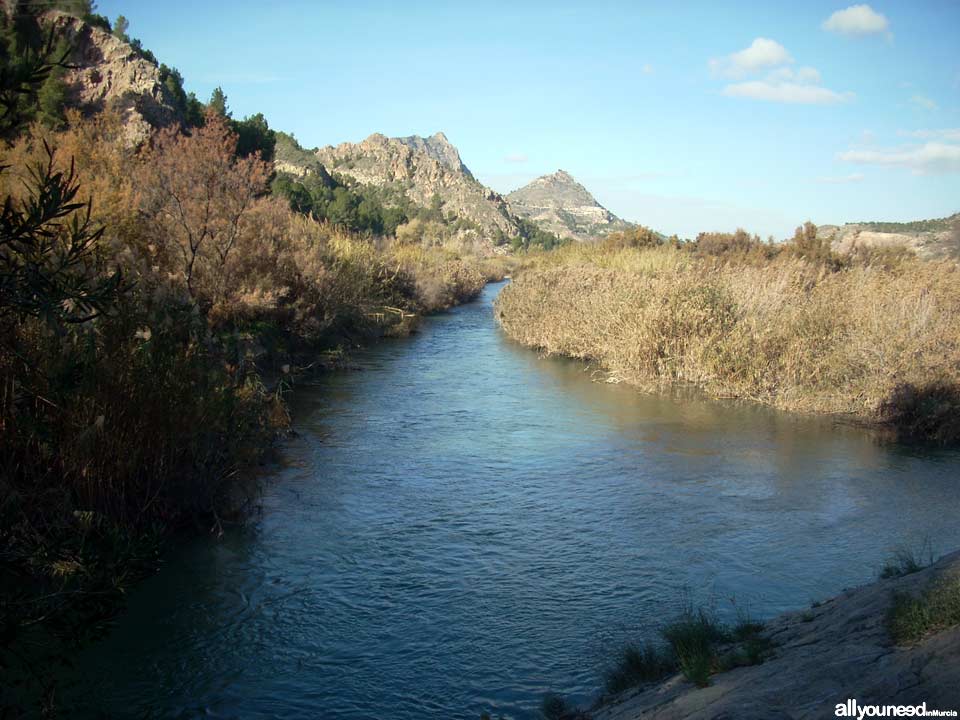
{"x": 929, "y": 239}
{"x": 560, "y": 204}
{"x": 108, "y": 72}
{"x": 424, "y": 169}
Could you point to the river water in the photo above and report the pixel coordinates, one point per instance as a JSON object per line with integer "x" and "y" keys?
{"x": 461, "y": 526}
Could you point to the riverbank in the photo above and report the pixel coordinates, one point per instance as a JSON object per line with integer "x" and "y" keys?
{"x": 892, "y": 642}
{"x": 149, "y": 305}
{"x": 875, "y": 339}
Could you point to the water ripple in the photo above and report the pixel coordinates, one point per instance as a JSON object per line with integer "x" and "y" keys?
{"x": 463, "y": 526}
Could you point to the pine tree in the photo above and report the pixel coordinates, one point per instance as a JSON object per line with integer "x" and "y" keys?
{"x": 218, "y": 103}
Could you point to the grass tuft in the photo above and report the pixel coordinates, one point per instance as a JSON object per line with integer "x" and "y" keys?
{"x": 912, "y": 618}
{"x": 695, "y": 644}
{"x": 906, "y": 560}
{"x": 636, "y": 665}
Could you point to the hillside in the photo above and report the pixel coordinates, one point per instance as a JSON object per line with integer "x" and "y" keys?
{"x": 929, "y": 239}
{"x": 560, "y": 204}
{"x": 107, "y": 72}
{"x": 428, "y": 172}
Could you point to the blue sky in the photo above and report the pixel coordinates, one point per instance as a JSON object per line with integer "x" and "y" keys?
{"x": 683, "y": 116}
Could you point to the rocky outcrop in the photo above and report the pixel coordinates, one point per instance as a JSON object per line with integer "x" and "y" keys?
{"x": 563, "y": 206}
{"x": 824, "y": 656}
{"x": 108, "y": 72}
{"x": 424, "y": 168}
{"x": 930, "y": 240}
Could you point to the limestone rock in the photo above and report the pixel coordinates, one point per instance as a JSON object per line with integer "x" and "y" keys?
{"x": 423, "y": 168}
{"x": 108, "y": 72}
{"x": 930, "y": 240}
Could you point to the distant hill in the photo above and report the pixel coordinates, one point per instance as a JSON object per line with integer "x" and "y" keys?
{"x": 560, "y": 204}
{"x": 929, "y": 239}
{"x": 917, "y": 226}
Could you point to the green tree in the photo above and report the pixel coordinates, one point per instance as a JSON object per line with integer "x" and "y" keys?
{"x": 120, "y": 27}
{"x": 193, "y": 116}
{"x": 173, "y": 81}
{"x": 52, "y": 99}
{"x": 218, "y": 103}
{"x": 255, "y": 135}
{"x": 294, "y": 192}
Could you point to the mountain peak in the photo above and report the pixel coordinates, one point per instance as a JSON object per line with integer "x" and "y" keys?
{"x": 437, "y": 147}
{"x": 421, "y": 169}
{"x": 564, "y": 206}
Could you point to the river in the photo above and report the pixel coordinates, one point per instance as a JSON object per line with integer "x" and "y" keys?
{"x": 462, "y": 526}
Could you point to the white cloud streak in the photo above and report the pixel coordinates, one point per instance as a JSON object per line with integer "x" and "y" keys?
{"x": 857, "y": 20}
{"x": 841, "y": 180}
{"x": 922, "y": 101}
{"x": 785, "y": 92}
{"x": 516, "y": 158}
{"x": 929, "y": 158}
{"x": 762, "y": 53}
{"x": 949, "y": 134}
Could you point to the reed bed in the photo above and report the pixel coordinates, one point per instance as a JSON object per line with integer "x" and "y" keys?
{"x": 879, "y": 342}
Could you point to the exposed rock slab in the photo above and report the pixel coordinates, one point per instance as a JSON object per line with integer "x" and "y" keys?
{"x": 108, "y": 72}
{"x": 941, "y": 240}
{"x": 838, "y": 650}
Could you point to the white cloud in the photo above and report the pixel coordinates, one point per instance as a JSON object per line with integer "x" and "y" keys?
{"x": 647, "y": 69}
{"x": 855, "y": 177}
{"x": 780, "y": 84}
{"x": 516, "y": 158}
{"x": 857, "y": 20}
{"x": 762, "y": 53}
{"x": 942, "y": 134}
{"x": 785, "y": 92}
{"x": 931, "y": 157}
{"x": 808, "y": 75}
{"x": 924, "y": 102}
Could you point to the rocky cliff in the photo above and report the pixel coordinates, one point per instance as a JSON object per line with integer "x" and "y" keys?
{"x": 108, "y": 72}
{"x": 424, "y": 168}
{"x": 560, "y": 204}
{"x": 929, "y": 239}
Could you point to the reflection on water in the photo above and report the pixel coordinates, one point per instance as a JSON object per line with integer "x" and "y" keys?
{"x": 462, "y": 526}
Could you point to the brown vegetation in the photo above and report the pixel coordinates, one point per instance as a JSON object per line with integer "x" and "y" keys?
{"x": 148, "y": 289}
{"x": 792, "y": 326}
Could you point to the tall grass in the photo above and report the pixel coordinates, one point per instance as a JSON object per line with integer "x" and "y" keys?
{"x": 878, "y": 342}
{"x": 696, "y": 644}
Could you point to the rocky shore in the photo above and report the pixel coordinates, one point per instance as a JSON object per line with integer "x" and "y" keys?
{"x": 838, "y": 650}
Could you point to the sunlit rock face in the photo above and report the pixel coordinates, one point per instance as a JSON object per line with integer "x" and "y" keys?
{"x": 929, "y": 239}
{"x": 423, "y": 168}
{"x": 563, "y": 206}
{"x": 107, "y": 72}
